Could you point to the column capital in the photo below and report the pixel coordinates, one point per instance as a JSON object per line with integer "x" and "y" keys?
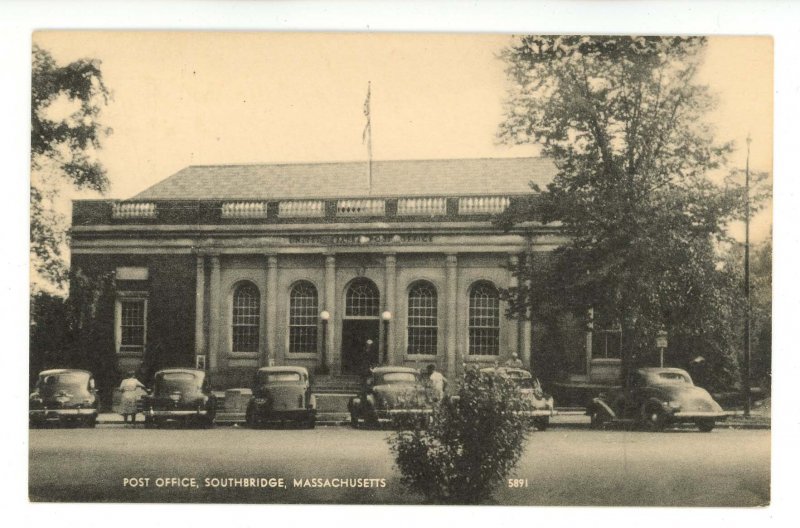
{"x": 215, "y": 260}
{"x": 272, "y": 259}
{"x": 513, "y": 259}
{"x": 451, "y": 259}
{"x": 391, "y": 259}
{"x": 330, "y": 260}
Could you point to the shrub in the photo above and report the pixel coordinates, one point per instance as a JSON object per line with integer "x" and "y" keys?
{"x": 469, "y": 446}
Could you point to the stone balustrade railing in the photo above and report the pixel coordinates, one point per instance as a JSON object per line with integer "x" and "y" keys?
{"x": 421, "y": 206}
{"x": 363, "y": 207}
{"x": 244, "y": 210}
{"x": 134, "y": 210}
{"x": 483, "y": 205}
{"x": 301, "y": 209}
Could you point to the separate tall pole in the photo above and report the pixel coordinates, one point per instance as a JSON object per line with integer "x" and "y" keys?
{"x": 746, "y": 384}
{"x": 366, "y": 136}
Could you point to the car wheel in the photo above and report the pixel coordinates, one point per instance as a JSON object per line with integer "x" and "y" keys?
{"x": 353, "y": 420}
{"x": 542, "y": 423}
{"x": 91, "y": 422}
{"x": 149, "y": 422}
{"x": 654, "y": 419}
{"x": 597, "y": 419}
{"x": 372, "y": 421}
{"x": 311, "y": 422}
{"x": 706, "y": 426}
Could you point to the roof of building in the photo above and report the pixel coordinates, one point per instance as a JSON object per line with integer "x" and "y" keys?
{"x": 446, "y": 177}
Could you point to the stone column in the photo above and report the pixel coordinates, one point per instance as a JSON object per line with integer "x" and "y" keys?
{"x": 271, "y": 316}
{"x": 333, "y": 356}
{"x": 523, "y": 323}
{"x": 390, "y": 305}
{"x": 199, "y": 314}
{"x": 214, "y": 315}
{"x": 451, "y": 309}
{"x": 516, "y": 324}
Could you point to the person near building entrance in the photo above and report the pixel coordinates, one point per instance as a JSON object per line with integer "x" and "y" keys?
{"x": 436, "y": 384}
{"x": 368, "y": 360}
{"x": 131, "y": 388}
{"x": 514, "y": 361}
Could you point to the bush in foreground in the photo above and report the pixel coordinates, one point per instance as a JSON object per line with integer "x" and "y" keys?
{"x": 470, "y": 445}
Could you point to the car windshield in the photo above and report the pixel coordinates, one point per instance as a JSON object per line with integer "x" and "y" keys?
{"x": 279, "y": 377}
{"x": 525, "y": 383}
{"x": 397, "y": 377}
{"x": 176, "y": 381}
{"x": 64, "y": 381}
{"x": 672, "y": 378}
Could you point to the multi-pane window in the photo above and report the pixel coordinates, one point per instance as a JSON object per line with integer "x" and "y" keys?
{"x": 132, "y": 324}
{"x": 245, "y": 318}
{"x": 422, "y": 319}
{"x": 363, "y": 300}
{"x": 484, "y": 320}
{"x": 303, "y": 308}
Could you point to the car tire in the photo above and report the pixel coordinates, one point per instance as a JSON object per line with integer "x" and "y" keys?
{"x": 542, "y": 423}
{"x": 149, "y": 422}
{"x": 353, "y": 420}
{"x": 91, "y": 422}
{"x": 310, "y": 423}
{"x": 597, "y": 419}
{"x": 706, "y": 426}
{"x": 654, "y": 419}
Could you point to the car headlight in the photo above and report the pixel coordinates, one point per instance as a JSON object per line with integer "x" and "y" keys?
{"x": 672, "y": 405}
{"x": 260, "y": 401}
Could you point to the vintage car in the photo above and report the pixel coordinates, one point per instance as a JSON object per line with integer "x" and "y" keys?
{"x": 180, "y": 394}
{"x": 656, "y": 398}
{"x": 282, "y": 394}
{"x": 63, "y": 397}
{"x": 541, "y": 404}
{"x": 389, "y": 392}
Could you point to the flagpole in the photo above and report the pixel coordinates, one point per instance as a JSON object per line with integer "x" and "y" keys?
{"x": 367, "y": 135}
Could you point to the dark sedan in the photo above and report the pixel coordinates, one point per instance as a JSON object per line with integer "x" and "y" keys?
{"x": 656, "y": 398}
{"x": 64, "y": 397}
{"x": 389, "y": 392}
{"x": 180, "y": 394}
{"x": 282, "y": 394}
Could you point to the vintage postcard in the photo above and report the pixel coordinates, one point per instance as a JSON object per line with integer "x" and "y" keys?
{"x": 351, "y": 268}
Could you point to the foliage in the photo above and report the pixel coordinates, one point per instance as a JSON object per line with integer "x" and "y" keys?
{"x": 623, "y": 120}
{"x": 77, "y": 331}
{"x": 471, "y": 444}
{"x": 65, "y": 132}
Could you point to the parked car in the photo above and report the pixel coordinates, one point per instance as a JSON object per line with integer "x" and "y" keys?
{"x": 389, "y": 392}
{"x": 656, "y": 398}
{"x": 181, "y": 394}
{"x": 541, "y": 404}
{"x": 282, "y": 394}
{"x": 64, "y": 397}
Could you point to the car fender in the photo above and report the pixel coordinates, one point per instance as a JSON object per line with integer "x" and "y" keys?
{"x": 653, "y": 402}
{"x": 601, "y": 405}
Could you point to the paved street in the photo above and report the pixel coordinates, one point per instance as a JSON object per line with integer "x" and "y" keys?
{"x": 563, "y": 466}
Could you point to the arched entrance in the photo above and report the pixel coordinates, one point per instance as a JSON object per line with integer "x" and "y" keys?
{"x": 361, "y": 327}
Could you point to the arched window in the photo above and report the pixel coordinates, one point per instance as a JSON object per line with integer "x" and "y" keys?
{"x": 246, "y": 318}
{"x": 362, "y": 300}
{"x": 422, "y": 318}
{"x": 303, "y": 314}
{"x": 484, "y": 320}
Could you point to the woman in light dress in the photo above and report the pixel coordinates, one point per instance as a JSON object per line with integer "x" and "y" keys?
{"x": 131, "y": 389}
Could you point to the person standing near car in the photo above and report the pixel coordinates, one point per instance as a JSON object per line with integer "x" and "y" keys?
{"x": 130, "y": 389}
{"x": 436, "y": 384}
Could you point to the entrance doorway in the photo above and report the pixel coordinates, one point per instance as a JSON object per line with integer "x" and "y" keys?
{"x": 357, "y": 354}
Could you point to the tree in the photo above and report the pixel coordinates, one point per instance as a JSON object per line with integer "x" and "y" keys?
{"x": 622, "y": 118}
{"x": 65, "y": 133}
{"x": 470, "y": 446}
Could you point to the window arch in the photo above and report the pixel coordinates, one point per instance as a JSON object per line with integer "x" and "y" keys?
{"x": 362, "y": 299}
{"x": 484, "y": 320}
{"x": 422, "y": 318}
{"x": 246, "y": 318}
{"x": 303, "y": 318}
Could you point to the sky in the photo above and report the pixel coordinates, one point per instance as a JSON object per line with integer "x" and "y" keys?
{"x": 186, "y": 98}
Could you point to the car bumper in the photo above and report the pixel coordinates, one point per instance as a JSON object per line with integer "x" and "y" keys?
{"x": 176, "y": 413}
{"x": 698, "y": 415}
{"x": 388, "y": 414}
{"x": 56, "y": 414}
{"x": 285, "y": 414}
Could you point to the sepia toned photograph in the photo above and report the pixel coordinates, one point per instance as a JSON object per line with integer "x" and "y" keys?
{"x": 400, "y": 268}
